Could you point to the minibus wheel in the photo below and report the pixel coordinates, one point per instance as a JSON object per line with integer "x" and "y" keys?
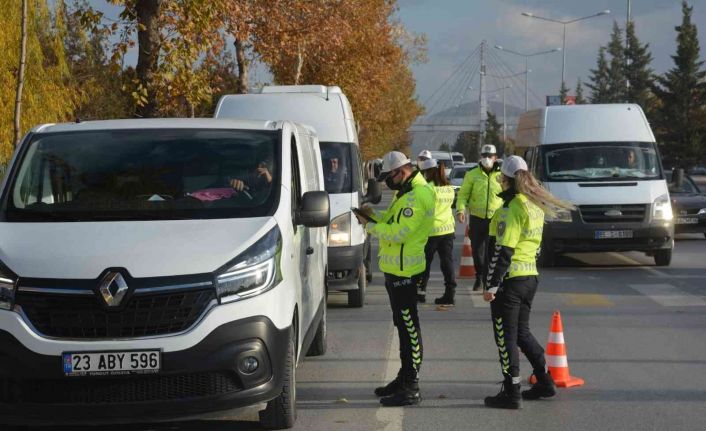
{"x": 663, "y": 257}
{"x": 356, "y": 298}
{"x": 281, "y": 412}
{"x": 369, "y": 263}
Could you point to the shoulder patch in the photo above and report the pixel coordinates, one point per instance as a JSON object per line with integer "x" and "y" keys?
{"x": 408, "y": 212}
{"x": 501, "y": 228}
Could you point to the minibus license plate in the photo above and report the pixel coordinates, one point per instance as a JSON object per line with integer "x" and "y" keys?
{"x": 687, "y": 220}
{"x": 613, "y": 234}
{"x": 112, "y": 363}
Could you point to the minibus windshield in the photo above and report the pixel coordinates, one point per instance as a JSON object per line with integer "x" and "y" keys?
{"x": 145, "y": 174}
{"x": 338, "y": 166}
{"x": 601, "y": 161}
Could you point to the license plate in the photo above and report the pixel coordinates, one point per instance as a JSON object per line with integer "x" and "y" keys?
{"x": 112, "y": 363}
{"x": 687, "y": 220}
{"x": 613, "y": 234}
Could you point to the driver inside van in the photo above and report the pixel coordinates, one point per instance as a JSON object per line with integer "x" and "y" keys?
{"x": 256, "y": 182}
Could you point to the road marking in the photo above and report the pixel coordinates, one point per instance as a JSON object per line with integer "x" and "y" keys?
{"x": 640, "y": 264}
{"x": 668, "y": 295}
{"x": 390, "y": 418}
{"x": 587, "y": 300}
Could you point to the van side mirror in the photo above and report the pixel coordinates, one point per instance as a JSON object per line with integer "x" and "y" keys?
{"x": 374, "y": 195}
{"x": 314, "y": 210}
{"x": 678, "y": 178}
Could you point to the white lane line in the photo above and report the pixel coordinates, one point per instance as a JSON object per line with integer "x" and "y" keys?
{"x": 642, "y": 265}
{"x": 390, "y": 418}
{"x": 668, "y": 295}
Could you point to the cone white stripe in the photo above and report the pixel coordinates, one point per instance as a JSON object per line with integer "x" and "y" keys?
{"x": 467, "y": 261}
{"x": 557, "y": 361}
{"x": 556, "y": 337}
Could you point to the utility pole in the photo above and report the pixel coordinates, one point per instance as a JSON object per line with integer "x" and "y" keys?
{"x": 483, "y": 101}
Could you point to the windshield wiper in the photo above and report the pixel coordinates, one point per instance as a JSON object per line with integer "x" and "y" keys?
{"x": 567, "y": 176}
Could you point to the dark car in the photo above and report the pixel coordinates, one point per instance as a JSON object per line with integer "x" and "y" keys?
{"x": 689, "y": 206}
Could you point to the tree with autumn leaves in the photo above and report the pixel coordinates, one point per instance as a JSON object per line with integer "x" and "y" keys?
{"x": 190, "y": 52}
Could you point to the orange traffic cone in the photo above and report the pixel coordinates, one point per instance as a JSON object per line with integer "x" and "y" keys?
{"x": 467, "y": 269}
{"x": 557, "y": 361}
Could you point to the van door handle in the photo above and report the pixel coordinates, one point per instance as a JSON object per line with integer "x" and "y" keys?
{"x": 309, "y": 250}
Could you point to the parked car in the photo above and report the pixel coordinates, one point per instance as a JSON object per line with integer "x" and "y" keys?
{"x": 328, "y": 111}
{"x": 456, "y": 177}
{"x": 159, "y": 269}
{"x": 688, "y": 205}
{"x": 604, "y": 160}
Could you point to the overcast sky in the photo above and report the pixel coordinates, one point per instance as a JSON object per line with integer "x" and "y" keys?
{"x": 456, "y": 27}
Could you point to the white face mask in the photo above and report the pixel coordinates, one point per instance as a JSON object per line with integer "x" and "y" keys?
{"x": 487, "y": 162}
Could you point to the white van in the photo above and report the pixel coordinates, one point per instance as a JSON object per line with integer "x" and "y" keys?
{"x": 159, "y": 269}
{"x": 446, "y": 158}
{"x": 328, "y": 111}
{"x": 603, "y": 159}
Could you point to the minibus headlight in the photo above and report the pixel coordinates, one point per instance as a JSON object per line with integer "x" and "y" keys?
{"x": 8, "y": 282}
{"x": 561, "y": 216}
{"x": 254, "y": 271}
{"x": 339, "y": 233}
{"x": 702, "y": 211}
{"x": 662, "y": 208}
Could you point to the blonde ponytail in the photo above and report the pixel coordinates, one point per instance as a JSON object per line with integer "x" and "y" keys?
{"x": 529, "y": 186}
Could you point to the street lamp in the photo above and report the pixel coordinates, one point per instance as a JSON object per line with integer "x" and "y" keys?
{"x": 506, "y": 87}
{"x": 527, "y": 56}
{"x": 565, "y": 23}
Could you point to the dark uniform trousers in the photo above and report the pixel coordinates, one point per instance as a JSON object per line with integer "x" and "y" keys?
{"x": 444, "y": 245}
{"x": 510, "y": 311}
{"x": 403, "y": 301}
{"x": 478, "y": 232}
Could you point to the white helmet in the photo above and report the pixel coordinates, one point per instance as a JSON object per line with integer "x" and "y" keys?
{"x": 392, "y": 161}
{"x": 488, "y": 149}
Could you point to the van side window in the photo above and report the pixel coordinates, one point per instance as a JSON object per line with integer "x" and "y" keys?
{"x": 296, "y": 179}
{"x": 357, "y": 169}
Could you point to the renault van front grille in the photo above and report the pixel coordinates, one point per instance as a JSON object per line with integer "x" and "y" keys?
{"x": 145, "y": 314}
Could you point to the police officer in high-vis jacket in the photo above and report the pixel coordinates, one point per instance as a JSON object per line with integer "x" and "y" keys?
{"x": 479, "y": 194}
{"x": 516, "y": 234}
{"x": 402, "y": 231}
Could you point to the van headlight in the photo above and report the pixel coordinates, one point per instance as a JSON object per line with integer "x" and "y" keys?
{"x": 8, "y": 281}
{"x": 561, "y": 216}
{"x": 254, "y": 271}
{"x": 702, "y": 211}
{"x": 339, "y": 232}
{"x": 662, "y": 208}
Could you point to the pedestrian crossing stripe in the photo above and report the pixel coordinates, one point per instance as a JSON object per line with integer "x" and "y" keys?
{"x": 668, "y": 295}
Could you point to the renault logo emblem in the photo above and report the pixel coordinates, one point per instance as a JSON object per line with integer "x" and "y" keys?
{"x": 113, "y": 288}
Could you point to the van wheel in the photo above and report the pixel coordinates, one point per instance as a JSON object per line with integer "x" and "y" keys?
{"x": 369, "y": 264}
{"x": 318, "y": 345}
{"x": 663, "y": 257}
{"x": 281, "y": 412}
{"x": 356, "y": 298}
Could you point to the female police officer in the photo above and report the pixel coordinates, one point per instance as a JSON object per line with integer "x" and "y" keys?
{"x": 512, "y": 280}
{"x": 441, "y": 239}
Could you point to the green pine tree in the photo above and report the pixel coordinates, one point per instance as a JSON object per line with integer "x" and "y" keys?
{"x": 679, "y": 120}
{"x": 580, "y": 100}
{"x": 599, "y": 79}
{"x": 617, "y": 82}
{"x": 637, "y": 69}
{"x": 467, "y": 144}
{"x": 563, "y": 92}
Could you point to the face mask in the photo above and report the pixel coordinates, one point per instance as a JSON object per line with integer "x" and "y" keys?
{"x": 487, "y": 162}
{"x": 391, "y": 185}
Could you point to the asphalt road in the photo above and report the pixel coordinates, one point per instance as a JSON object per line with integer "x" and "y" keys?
{"x": 636, "y": 334}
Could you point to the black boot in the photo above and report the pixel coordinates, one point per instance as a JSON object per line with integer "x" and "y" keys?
{"x": 544, "y": 388}
{"x": 407, "y": 395}
{"x": 444, "y": 300}
{"x": 508, "y": 397}
{"x": 390, "y": 388}
{"x": 477, "y": 285}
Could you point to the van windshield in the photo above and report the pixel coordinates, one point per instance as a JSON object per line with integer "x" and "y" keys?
{"x": 145, "y": 174}
{"x": 338, "y": 166}
{"x": 601, "y": 161}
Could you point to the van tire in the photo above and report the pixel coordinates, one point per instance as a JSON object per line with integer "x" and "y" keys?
{"x": 369, "y": 264}
{"x": 547, "y": 257}
{"x": 281, "y": 412}
{"x": 318, "y": 345}
{"x": 663, "y": 257}
{"x": 356, "y": 298}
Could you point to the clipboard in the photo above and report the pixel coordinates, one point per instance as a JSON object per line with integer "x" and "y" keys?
{"x": 363, "y": 215}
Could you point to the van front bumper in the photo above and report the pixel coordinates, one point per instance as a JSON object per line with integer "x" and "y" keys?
{"x": 581, "y": 237}
{"x": 203, "y": 378}
{"x": 343, "y": 266}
